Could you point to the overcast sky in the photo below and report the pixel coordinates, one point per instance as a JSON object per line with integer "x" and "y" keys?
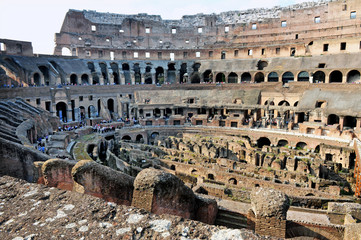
{"x": 38, "y": 20}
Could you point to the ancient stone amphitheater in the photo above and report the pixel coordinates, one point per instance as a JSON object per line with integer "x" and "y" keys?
{"x": 238, "y": 125}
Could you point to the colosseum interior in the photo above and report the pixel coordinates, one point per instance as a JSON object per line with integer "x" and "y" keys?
{"x": 245, "y": 120}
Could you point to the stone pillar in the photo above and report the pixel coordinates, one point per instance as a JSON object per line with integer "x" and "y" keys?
{"x": 101, "y": 80}
{"x": 132, "y": 76}
{"x": 344, "y": 78}
{"x": 153, "y": 76}
{"x": 165, "y": 75}
{"x": 342, "y": 119}
{"x": 327, "y": 78}
{"x": 358, "y": 123}
{"x": 142, "y": 75}
{"x": 111, "y": 79}
{"x": 270, "y": 209}
{"x": 121, "y": 78}
{"x": 69, "y": 114}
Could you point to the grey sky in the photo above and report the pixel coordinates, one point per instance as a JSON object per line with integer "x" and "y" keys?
{"x": 38, "y": 20}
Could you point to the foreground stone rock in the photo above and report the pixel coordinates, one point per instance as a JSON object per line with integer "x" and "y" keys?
{"x": 32, "y": 211}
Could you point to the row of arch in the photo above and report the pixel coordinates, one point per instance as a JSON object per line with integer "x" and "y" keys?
{"x": 303, "y": 76}
{"x": 264, "y": 141}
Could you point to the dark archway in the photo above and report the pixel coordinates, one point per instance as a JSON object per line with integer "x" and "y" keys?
{"x": 73, "y": 79}
{"x": 259, "y": 77}
{"x": 183, "y": 73}
{"x": 139, "y": 138}
{"x": 301, "y": 145}
{"x": 349, "y": 122}
{"x": 282, "y": 143}
{"x": 319, "y": 77}
{"x": 159, "y": 75}
{"x": 171, "y": 73}
{"x": 287, "y": 77}
{"x": 110, "y": 104}
{"x": 353, "y": 76}
{"x": 84, "y": 79}
{"x": 303, "y": 77}
{"x": 283, "y": 103}
{"x": 115, "y": 69}
{"x": 126, "y": 138}
{"x": 261, "y": 64}
{"x": 220, "y": 78}
{"x": 207, "y": 76}
{"x": 263, "y": 141}
{"x": 336, "y": 77}
{"x": 232, "y": 181}
{"x": 37, "y": 79}
{"x": 273, "y": 77}
{"x": 148, "y": 75}
{"x": 92, "y": 112}
{"x": 82, "y": 113}
{"x": 137, "y": 74}
{"x": 45, "y": 71}
{"x": 195, "y": 78}
{"x": 61, "y": 111}
{"x": 333, "y": 119}
{"x": 232, "y": 78}
{"x": 246, "y": 77}
{"x": 104, "y": 71}
{"x": 126, "y": 72}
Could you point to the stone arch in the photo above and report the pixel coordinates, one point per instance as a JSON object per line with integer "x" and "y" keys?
{"x": 295, "y": 104}
{"x": 207, "y": 76}
{"x": 319, "y": 77}
{"x": 210, "y": 176}
{"x": 283, "y": 103}
{"x": 84, "y": 79}
{"x": 45, "y": 71}
{"x": 159, "y": 75}
{"x": 263, "y": 141}
{"x": 287, "y": 77}
{"x": 152, "y": 137}
{"x": 110, "y": 104}
{"x": 37, "y": 79}
{"x": 220, "y": 78}
{"x": 74, "y": 79}
{"x": 336, "y": 77}
{"x": 172, "y": 167}
{"x": 246, "y": 77}
{"x": 115, "y": 69}
{"x": 232, "y": 181}
{"x": 259, "y": 77}
{"x": 126, "y": 72}
{"x": 171, "y": 73}
{"x": 272, "y": 77}
{"x": 126, "y": 138}
{"x": 137, "y": 74}
{"x": 195, "y": 78}
{"x": 303, "y": 77}
{"x": 349, "y": 122}
{"x": 139, "y": 138}
{"x": 262, "y": 64}
{"x": 148, "y": 75}
{"x": 61, "y": 111}
{"x": 282, "y": 143}
{"x": 333, "y": 119}
{"x": 65, "y": 51}
{"x": 183, "y": 73}
{"x": 92, "y": 112}
{"x": 301, "y": 145}
{"x": 353, "y": 76}
{"x": 233, "y": 77}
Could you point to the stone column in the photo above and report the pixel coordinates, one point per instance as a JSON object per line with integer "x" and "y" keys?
{"x": 142, "y": 75}
{"x": 358, "y": 123}
{"x": 342, "y": 119}
{"x": 327, "y": 78}
{"x": 132, "y": 76}
{"x": 121, "y": 78}
{"x": 344, "y": 78}
{"x": 165, "y": 75}
{"x": 111, "y": 79}
{"x": 153, "y": 75}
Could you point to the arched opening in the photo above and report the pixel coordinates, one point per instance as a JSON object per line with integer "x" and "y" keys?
{"x": 284, "y": 103}
{"x": 82, "y": 113}
{"x": 156, "y": 112}
{"x": 65, "y": 51}
{"x": 273, "y": 77}
{"x": 336, "y": 77}
{"x": 303, "y": 77}
{"x": 110, "y": 104}
{"x": 61, "y": 111}
{"x": 295, "y": 104}
{"x": 37, "y": 79}
{"x": 195, "y": 78}
{"x": 168, "y": 112}
{"x": 232, "y": 181}
{"x": 73, "y": 79}
{"x": 301, "y": 145}
{"x": 153, "y": 137}
{"x": 333, "y": 119}
{"x": 172, "y": 167}
{"x": 232, "y": 78}
{"x": 194, "y": 172}
{"x": 171, "y": 73}
{"x": 139, "y": 138}
{"x": 259, "y": 77}
{"x": 353, "y": 76}
{"x": 126, "y": 72}
{"x": 220, "y": 78}
{"x": 137, "y": 74}
{"x": 319, "y": 77}
{"x": 45, "y": 71}
{"x": 207, "y": 76}
{"x": 104, "y": 71}
{"x": 126, "y": 138}
{"x": 99, "y": 107}
{"x": 287, "y": 77}
{"x": 282, "y": 143}
{"x": 263, "y": 141}
{"x": 84, "y": 79}
{"x": 349, "y": 122}
{"x": 183, "y": 73}
{"x": 210, "y": 176}
{"x": 261, "y": 64}
{"x": 115, "y": 70}
{"x": 148, "y": 75}
{"x": 92, "y": 112}
{"x": 159, "y": 75}
{"x": 196, "y": 67}
{"x": 246, "y": 77}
